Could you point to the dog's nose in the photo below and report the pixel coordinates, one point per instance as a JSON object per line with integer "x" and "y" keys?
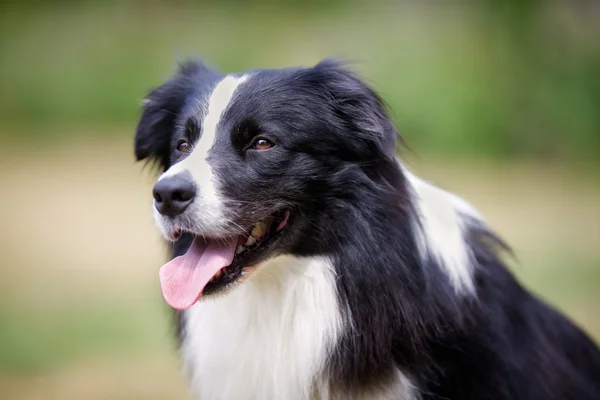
{"x": 173, "y": 194}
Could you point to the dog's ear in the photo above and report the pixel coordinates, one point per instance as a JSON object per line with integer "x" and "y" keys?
{"x": 362, "y": 110}
{"x": 162, "y": 111}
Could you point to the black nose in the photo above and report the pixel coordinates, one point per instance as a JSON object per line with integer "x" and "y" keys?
{"x": 173, "y": 194}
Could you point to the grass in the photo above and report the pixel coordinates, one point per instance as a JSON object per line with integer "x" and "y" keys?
{"x": 81, "y": 314}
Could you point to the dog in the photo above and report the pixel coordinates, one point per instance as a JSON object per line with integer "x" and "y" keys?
{"x": 310, "y": 263}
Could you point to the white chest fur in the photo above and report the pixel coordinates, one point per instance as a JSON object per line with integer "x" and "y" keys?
{"x": 269, "y": 337}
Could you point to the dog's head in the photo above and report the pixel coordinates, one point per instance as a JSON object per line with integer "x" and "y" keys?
{"x": 254, "y": 163}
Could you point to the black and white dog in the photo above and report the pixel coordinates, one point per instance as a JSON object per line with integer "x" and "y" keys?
{"x": 311, "y": 264}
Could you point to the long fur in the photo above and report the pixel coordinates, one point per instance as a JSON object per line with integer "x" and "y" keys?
{"x": 386, "y": 287}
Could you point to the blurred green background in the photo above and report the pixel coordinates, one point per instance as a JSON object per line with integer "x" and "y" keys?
{"x": 498, "y": 101}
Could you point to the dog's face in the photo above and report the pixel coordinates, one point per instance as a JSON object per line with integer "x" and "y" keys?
{"x": 252, "y": 162}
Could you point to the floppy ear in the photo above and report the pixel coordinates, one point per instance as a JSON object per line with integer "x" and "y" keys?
{"x": 362, "y": 110}
{"x": 162, "y": 110}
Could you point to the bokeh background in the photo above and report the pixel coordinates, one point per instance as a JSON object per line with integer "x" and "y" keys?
{"x": 498, "y": 101}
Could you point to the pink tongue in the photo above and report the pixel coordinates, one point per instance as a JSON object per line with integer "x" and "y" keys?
{"x": 183, "y": 279}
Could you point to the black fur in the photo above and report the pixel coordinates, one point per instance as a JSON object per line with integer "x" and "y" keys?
{"x": 163, "y": 109}
{"x": 335, "y": 165}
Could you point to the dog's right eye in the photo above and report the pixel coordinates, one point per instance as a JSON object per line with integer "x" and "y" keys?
{"x": 183, "y": 146}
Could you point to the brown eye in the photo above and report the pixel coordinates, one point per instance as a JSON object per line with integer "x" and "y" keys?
{"x": 183, "y": 147}
{"x": 262, "y": 144}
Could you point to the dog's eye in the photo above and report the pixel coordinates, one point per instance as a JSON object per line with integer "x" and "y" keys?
{"x": 262, "y": 144}
{"x": 183, "y": 146}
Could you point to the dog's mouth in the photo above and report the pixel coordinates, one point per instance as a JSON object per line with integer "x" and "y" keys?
{"x": 212, "y": 265}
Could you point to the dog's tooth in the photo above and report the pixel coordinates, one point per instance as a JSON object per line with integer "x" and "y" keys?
{"x": 259, "y": 230}
{"x": 250, "y": 242}
{"x": 240, "y": 249}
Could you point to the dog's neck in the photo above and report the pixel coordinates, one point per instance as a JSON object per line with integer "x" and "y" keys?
{"x": 267, "y": 338}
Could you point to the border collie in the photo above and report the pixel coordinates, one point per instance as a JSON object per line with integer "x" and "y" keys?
{"x": 310, "y": 263}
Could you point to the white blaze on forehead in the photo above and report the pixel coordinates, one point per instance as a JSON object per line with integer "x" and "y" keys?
{"x": 219, "y": 100}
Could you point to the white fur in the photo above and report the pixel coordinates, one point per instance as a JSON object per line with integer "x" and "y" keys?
{"x": 207, "y": 211}
{"x": 440, "y": 230}
{"x": 269, "y": 337}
